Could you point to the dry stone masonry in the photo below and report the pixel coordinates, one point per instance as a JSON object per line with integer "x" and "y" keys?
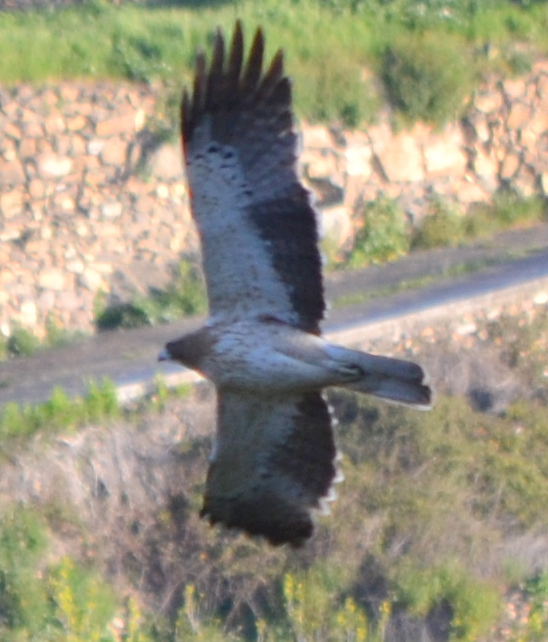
{"x": 91, "y": 205}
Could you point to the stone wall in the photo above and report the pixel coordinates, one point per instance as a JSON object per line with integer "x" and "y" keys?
{"x": 89, "y": 202}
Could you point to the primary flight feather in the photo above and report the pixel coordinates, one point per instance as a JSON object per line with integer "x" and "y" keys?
{"x": 273, "y": 460}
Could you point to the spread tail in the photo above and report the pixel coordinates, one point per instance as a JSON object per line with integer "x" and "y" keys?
{"x": 394, "y": 380}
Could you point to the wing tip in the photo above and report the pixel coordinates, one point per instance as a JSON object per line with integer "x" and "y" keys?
{"x": 278, "y": 490}
{"x": 254, "y": 519}
{"x": 231, "y": 83}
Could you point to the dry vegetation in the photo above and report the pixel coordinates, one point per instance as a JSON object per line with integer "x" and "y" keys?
{"x": 441, "y": 516}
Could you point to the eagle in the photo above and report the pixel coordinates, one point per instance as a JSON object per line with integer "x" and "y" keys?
{"x": 273, "y": 462}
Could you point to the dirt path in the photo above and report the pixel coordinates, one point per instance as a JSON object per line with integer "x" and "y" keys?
{"x": 517, "y": 263}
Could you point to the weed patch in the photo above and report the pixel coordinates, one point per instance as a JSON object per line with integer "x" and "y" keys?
{"x": 383, "y": 235}
{"x": 23, "y": 343}
{"x": 425, "y": 52}
{"x": 82, "y": 604}
{"x": 59, "y": 412}
{"x": 184, "y": 297}
{"x": 442, "y": 227}
{"x": 62, "y": 603}
{"x": 427, "y": 77}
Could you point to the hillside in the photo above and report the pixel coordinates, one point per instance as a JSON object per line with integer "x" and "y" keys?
{"x": 439, "y": 530}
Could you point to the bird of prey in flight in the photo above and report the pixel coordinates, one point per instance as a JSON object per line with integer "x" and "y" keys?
{"x": 273, "y": 461}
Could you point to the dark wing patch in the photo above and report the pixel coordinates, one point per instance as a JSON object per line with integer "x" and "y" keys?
{"x": 241, "y": 154}
{"x": 294, "y": 253}
{"x": 273, "y": 462}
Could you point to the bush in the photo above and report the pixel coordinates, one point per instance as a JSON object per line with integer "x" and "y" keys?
{"x": 330, "y": 87}
{"x": 63, "y": 604}
{"x": 512, "y": 210}
{"x": 444, "y": 227}
{"x": 441, "y": 227}
{"x": 184, "y": 297}
{"x": 471, "y": 605}
{"x": 23, "y": 599}
{"x": 82, "y": 604}
{"x": 383, "y": 236}
{"x": 60, "y": 412}
{"x": 427, "y": 77}
{"x": 22, "y": 343}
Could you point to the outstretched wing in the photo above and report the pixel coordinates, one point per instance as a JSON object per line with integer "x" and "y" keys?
{"x": 272, "y": 463}
{"x": 256, "y": 223}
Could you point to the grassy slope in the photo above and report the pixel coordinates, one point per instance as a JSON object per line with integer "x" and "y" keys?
{"x": 328, "y": 49}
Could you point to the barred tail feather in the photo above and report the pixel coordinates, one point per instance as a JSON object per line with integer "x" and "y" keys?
{"x": 394, "y": 389}
{"x": 395, "y": 380}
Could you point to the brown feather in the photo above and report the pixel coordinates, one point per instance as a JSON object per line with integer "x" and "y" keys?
{"x": 254, "y": 66}
{"x": 274, "y": 459}
{"x": 235, "y": 60}
{"x": 198, "y": 95}
{"x": 215, "y": 79}
{"x": 239, "y": 127}
{"x": 274, "y": 462}
{"x": 272, "y": 78}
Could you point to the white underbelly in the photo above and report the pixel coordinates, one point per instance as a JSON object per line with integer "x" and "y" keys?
{"x": 263, "y": 369}
{"x": 273, "y": 362}
{"x": 273, "y": 358}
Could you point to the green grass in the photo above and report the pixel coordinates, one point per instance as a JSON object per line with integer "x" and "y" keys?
{"x": 385, "y": 234}
{"x": 185, "y": 296}
{"x": 444, "y": 227}
{"x": 59, "y": 413}
{"x": 57, "y": 602}
{"x": 329, "y": 45}
{"x": 22, "y": 342}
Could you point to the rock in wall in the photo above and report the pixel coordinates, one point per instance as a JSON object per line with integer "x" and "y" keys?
{"x": 91, "y": 203}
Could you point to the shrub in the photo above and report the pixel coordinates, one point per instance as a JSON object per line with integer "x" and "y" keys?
{"x": 536, "y": 625}
{"x": 82, "y": 604}
{"x": 185, "y": 296}
{"x": 60, "y": 412}
{"x": 23, "y": 599}
{"x": 383, "y": 236}
{"x": 100, "y": 402}
{"x": 512, "y": 210}
{"x": 318, "y": 607}
{"x": 471, "y": 605}
{"x": 427, "y": 77}
{"x": 330, "y": 87}
{"x": 192, "y": 624}
{"x": 441, "y": 227}
{"x": 22, "y": 342}
{"x": 64, "y": 604}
